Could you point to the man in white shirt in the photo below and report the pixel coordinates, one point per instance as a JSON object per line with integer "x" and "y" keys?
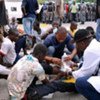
{"x": 8, "y": 48}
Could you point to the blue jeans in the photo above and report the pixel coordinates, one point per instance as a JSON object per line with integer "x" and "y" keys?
{"x": 86, "y": 89}
{"x": 98, "y": 30}
{"x": 52, "y": 52}
{"x": 28, "y": 24}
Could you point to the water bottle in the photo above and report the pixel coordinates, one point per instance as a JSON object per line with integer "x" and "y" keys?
{"x": 65, "y": 65}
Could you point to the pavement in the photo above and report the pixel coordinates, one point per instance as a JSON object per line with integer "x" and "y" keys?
{"x": 4, "y": 95}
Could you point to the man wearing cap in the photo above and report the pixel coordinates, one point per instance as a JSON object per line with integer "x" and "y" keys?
{"x": 88, "y": 80}
{"x": 91, "y": 60}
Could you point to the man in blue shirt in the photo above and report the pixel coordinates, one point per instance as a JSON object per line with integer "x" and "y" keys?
{"x": 57, "y": 42}
{"x": 29, "y": 8}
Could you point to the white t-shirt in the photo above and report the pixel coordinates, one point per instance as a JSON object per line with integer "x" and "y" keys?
{"x": 8, "y": 50}
{"x": 22, "y": 74}
{"x": 91, "y": 60}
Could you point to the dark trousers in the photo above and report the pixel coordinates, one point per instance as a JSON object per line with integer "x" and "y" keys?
{"x": 45, "y": 89}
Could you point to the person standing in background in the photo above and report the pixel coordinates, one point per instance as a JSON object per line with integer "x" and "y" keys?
{"x": 59, "y": 10}
{"x": 29, "y": 8}
{"x": 98, "y": 20}
{"x": 3, "y": 14}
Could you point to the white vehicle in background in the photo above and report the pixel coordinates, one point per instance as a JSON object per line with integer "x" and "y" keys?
{"x": 14, "y": 8}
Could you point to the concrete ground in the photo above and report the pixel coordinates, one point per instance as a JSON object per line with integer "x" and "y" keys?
{"x": 4, "y": 95}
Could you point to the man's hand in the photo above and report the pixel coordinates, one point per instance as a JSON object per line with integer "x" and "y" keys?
{"x": 56, "y": 61}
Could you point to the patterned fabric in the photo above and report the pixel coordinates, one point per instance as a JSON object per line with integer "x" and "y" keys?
{"x": 22, "y": 74}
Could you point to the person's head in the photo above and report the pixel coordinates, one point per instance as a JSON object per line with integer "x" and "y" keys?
{"x": 73, "y": 25}
{"x": 61, "y": 34}
{"x": 90, "y": 30}
{"x": 82, "y": 38}
{"x": 13, "y": 34}
{"x": 13, "y": 20}
{"x": 1, "y": 39}
{"x": 55, "y": 24}
{"x": 40, "y": 51}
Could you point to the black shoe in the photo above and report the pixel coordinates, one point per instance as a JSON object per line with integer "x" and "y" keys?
{"x": 33, "y": 96}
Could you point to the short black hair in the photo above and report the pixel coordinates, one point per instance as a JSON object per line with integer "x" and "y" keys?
{"x": 82, "y": 34}
{"x": 62, "y": 30}
{"x": 90, "y": 29}
{"x": 40, "y": 49}
{"x": 13, "y": 32}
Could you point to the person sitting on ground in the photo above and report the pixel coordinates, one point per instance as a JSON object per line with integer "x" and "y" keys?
{"x": 57, "y": 42}
{"x": 4, "y": 71}
{"x": 22, "y": 43}
{"x": 55, "y": 26}
{"x": 73, "y": 28}
{"x": 8, "y": 48}
{"x": 24, "y": 71}
{"x": 13, "y": 24}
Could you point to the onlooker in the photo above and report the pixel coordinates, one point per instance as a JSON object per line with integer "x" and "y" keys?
{"x": 59, "y": 10}
{"x": 73, "y": 11}
{"x": 98, "y": 20}
{"x": 4, "y": 71}
{"x": 73, "y": 28}
{"x": 3, "y": 14}
{"x": 29, "y": 8}
{"x": 8, "y": 47}
{"x": 82, "y": 13}
{"x": 55, "y": 26}
{"x": 13, "y": 24}
{"x": 24, "y": 71}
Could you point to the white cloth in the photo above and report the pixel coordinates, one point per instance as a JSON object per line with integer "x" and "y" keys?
{"x": 22, "y": 74}
{"x": 95, "y": 82}
{"x": 91, "y": 61}
{"x": 4, "y": 70}
{"x": 8, "y": 49}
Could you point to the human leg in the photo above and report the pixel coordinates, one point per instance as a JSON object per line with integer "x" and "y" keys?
{"x": 43, "y": 90}
{"x": 28, "y": 24}
{"x": 86, "y": 89}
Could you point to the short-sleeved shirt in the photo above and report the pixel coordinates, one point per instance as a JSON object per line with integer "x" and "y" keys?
{"x": 59, "y": 47}
{"x": 8, "y": 50}
{"x": 22, "y": 74}
{"x": 31, "y": 7}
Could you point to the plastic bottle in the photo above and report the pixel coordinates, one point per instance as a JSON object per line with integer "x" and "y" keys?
{"x": 65, "y": 65}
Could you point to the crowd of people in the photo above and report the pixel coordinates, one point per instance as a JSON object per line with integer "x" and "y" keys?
{"x": 56, "y": 54}
{"x": 71, "y": 12}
